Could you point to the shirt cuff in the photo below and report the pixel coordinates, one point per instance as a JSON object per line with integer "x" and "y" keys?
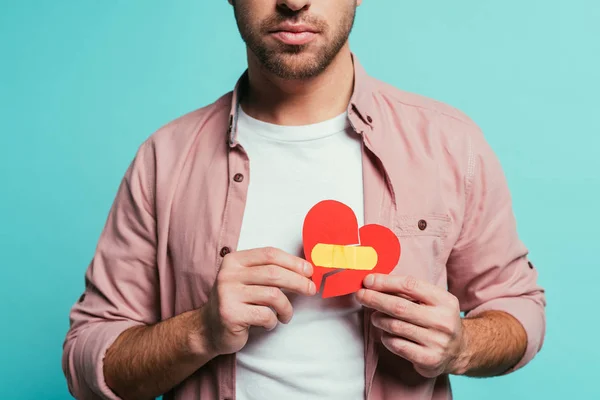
{"x": 531, "y": 316}
{"x": 92, "y": 345}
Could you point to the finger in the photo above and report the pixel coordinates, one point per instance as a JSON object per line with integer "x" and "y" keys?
{"x": 406, "y": 349}
{"x": 260, "y": 316}
{"x": 403, "y": 329}
{"x": 421, "y": 291}
{"x": 276, "y": 276}
{"x": 273, "y": 255}
{"x": 397, "y": 307}
{"x": 270, "y": 297}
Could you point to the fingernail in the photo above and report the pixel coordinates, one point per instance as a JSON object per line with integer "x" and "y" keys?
{"x": 307, "y": 268}
{"x": 369, "y": 280}
{"x": 360, "y": 294}
{"x": 312, "y": 288}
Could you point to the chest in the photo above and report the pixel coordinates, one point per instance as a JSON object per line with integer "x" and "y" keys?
{"x": 286, "y": 179}
{"x": 251, "y": 199}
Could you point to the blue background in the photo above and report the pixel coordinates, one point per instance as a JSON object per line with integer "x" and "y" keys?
{"x": 83, "y": 83}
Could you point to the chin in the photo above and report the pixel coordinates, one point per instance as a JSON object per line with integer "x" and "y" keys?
{"x": 295, "y": 65}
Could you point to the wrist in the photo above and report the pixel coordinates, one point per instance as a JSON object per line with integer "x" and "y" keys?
{"x": 198, "y": 337}
{"x": 461, "y": 361}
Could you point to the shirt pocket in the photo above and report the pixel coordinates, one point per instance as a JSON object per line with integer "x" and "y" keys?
{"x": 423, "y": 244}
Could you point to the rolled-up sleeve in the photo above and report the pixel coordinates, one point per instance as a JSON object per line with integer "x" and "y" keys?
{"x": 489, "y": 268}
{"x": 121, "y": 285}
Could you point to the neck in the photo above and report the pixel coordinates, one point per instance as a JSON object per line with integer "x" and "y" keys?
{"x": 299, "y": 102}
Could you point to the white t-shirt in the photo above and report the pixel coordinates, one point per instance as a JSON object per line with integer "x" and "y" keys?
{"x": 320, "y": 353}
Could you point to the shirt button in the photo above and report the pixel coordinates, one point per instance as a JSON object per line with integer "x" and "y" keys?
{"x": 224, "y": 251}
{"x": 238, "y": 178}
{"x": 369, "y": 118}
{"x": 422, "y": 224}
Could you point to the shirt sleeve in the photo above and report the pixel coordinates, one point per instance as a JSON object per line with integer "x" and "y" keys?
{"x": 488, "y": 268}
{"x": 121, "y": 284}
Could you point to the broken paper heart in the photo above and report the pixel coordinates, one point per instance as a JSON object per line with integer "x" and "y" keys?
{"x": 336, "y": 246}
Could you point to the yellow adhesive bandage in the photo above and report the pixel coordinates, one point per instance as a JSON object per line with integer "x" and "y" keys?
{"x": 344, "y": 257}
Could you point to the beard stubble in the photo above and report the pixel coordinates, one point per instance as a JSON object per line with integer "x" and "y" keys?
{"x": 292, "y": 62}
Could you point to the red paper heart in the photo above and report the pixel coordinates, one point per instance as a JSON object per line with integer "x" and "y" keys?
{"x": 332, "y": 222}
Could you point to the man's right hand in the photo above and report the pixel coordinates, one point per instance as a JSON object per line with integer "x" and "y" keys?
{"x": 248, "y": 292}
{"x": 147, "y": 361}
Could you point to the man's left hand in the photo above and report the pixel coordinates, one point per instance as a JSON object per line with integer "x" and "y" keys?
{"x": 420, "y": 322}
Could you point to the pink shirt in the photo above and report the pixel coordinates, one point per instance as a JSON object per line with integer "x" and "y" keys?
{"x": 429, "y": 175}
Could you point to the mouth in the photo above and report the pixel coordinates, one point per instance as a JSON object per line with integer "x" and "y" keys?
{"x": 294, "y": 34}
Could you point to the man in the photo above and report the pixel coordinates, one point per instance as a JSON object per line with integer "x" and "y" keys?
{"x": 199, "y": 287}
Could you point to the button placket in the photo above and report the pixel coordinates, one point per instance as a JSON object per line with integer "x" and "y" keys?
{"x": 232, "y": 221}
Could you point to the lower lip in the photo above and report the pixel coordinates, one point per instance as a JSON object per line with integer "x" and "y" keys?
{"x": 295, "y": 38}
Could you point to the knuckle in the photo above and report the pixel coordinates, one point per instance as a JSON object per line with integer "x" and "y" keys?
{"x": 400, "y": 307}
{"x": 273, "y": 294}
{"x": 273, "y": 274}
{"x": 254, "y": 313}
{"x": 270, "y": 254}
{"x": 396, "y": 326}
{"x": 410, "y": 283}
{"x": 259, "y": 316}
{"x": 399, "y": 346}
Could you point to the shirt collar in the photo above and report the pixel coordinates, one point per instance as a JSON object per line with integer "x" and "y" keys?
{"x": 360, "y": 108}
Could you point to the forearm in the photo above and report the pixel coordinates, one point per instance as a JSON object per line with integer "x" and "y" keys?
{"x": 146, "y": 362}
{"x": 493, "y": 342}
